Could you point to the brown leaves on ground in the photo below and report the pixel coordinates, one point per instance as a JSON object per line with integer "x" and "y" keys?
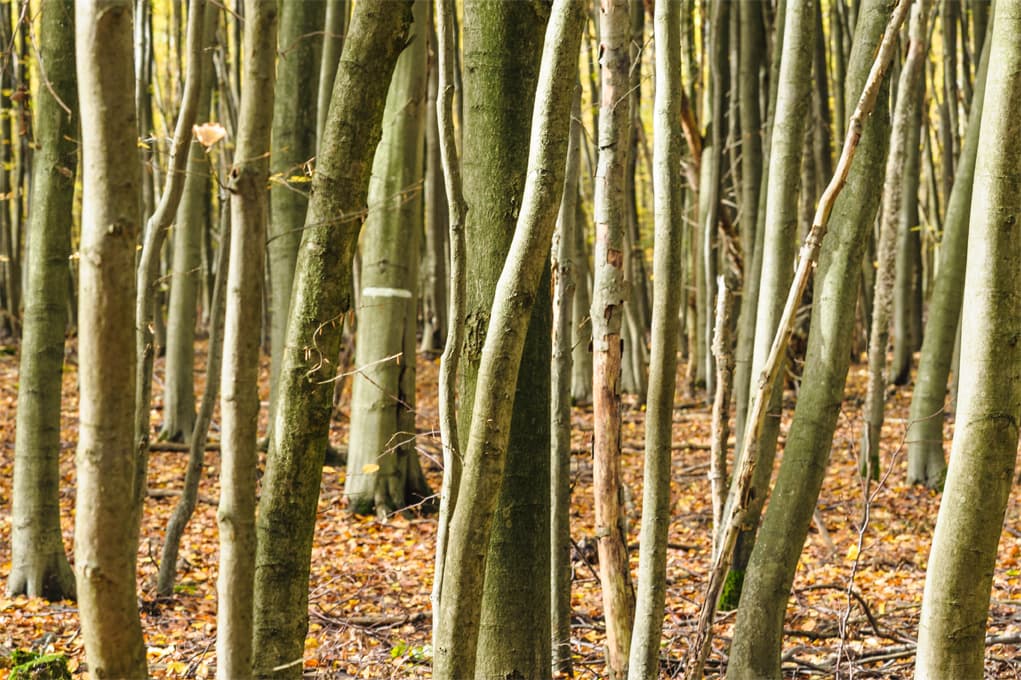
{"x": 369, "y": 591}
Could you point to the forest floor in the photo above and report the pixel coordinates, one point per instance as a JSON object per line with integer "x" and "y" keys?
{"x": 369, "y": 592}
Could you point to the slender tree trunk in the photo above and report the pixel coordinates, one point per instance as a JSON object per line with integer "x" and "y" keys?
{"x": 434, "y": 276}
{"x": 581, "y": 323}
{"x": 294, "y": 146}
{"x": 39, "y": 567}
{"x": 926, "y": 463}
{"x": 787, "y": 145}
{"x": 485, "y": 455}
{"x": 197, "y": 446}
{"x": 333, "y": 44}
{"x": 192, "y": 221}
{"x": 955, "y": 606}
{"x": 290, "y": 487}
{"x": 563, "y": 271}
{"x": 147, "y": 306}
{"x": 382, "y": 454}
{"x": 759, "y": 629}
{"x": 909, "y": 95}
{"x": 667, "y": 295}
{"x": 239, "y": 403}
{"x": 607, "y": 317}
{"x": 106, "y": 532}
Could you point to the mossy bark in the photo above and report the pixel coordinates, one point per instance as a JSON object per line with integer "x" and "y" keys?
{"x": 322, "y": 296}
{"x": 758, "y": 635}
{"x": 39, "y": 567}
{"x": 959, "y": 577}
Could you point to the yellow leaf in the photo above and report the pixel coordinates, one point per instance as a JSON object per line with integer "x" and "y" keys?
{"x": 369, "y": 468}
{"x": 852, "y": 552}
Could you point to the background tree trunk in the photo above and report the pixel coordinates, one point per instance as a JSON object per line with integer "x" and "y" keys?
{"x": 39, "y": 567}
{"x": 106, "y": 531}
{"x": 963, "y": 555}
{"x": 383, "y": 473}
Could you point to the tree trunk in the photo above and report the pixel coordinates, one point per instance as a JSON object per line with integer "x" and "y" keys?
{"x": 294, "y": 146}
{"x": 39, "y": 567}
{"x": 563, "y": 269}
{"x": 333, "y": 44}
{"x": 239, "y": 403}
{"x": 910, "y": 90}
{"x": 955, "y": 606}
{"x": 759, "y": 628}
{"x": 381, "y": 454}
{"x": 196, "y": 451}
{"x": 787, "y": 145}
{"x": 148, "y": 311}
{"x": 106, "y": 532}
{"x": 290, "y": 487}
{"x": 607, "y": 315}
{"x": 581, "y": 324}
{"x": 434, "y": 276}
{"x": 669, "y": 218}
{"x": 193, "y": 217}
{"x": 926, "y": 463}
{"x": 485, "y": 455}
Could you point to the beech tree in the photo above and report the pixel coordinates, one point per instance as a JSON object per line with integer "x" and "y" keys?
{"x": 106, "y": 525}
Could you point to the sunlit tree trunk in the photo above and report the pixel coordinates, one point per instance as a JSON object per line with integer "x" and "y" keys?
{"x": 759, "y": 630}
{"x": 106, "y": 532}
{"x": 39, "y": 567}
{"x": 383, "y": 474}
{"x": 955, "y": 606}
{"x": 669, "y": 222}
{"x": 290, "y": 487}
{"x": 926, "y": 462}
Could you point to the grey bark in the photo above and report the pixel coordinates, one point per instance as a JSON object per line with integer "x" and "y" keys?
{"x": 333, "y": 43}
{"x": 668, "y": 197}
{"x": 106, "y": 529}
{"x": 39, "y": 566}
{"x": 382, "y": 467}
{"x": 926, "y": 463}
{"x": 434, "y": 275}
{"x": 239, "y": 402}
{"x": 193, "y": 215}
{"x": 959, "y": 577}
{"x": 290, "y": 487}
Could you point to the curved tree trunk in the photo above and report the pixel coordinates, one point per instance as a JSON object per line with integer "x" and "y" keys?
{"x": 951, "y": 641}
{"x": 39, "y": 567}
{"x": 910, "y": 90}
{"x": 290, "y": 487}
{"x": 106, "y": 531}
{"x": 787, "y": 145}
{"x": 486, "y": 452}
{"x": 759, "y": 630}
{"x": 668, "y": 196}
{"x": 926, "y": 462}
{"x": 382, "y": 459}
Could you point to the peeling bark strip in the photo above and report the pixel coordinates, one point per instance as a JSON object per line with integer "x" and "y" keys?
{"x": 607, "y": 320}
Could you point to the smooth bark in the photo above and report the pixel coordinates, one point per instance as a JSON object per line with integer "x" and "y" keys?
{"x": 106, "y": 529}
